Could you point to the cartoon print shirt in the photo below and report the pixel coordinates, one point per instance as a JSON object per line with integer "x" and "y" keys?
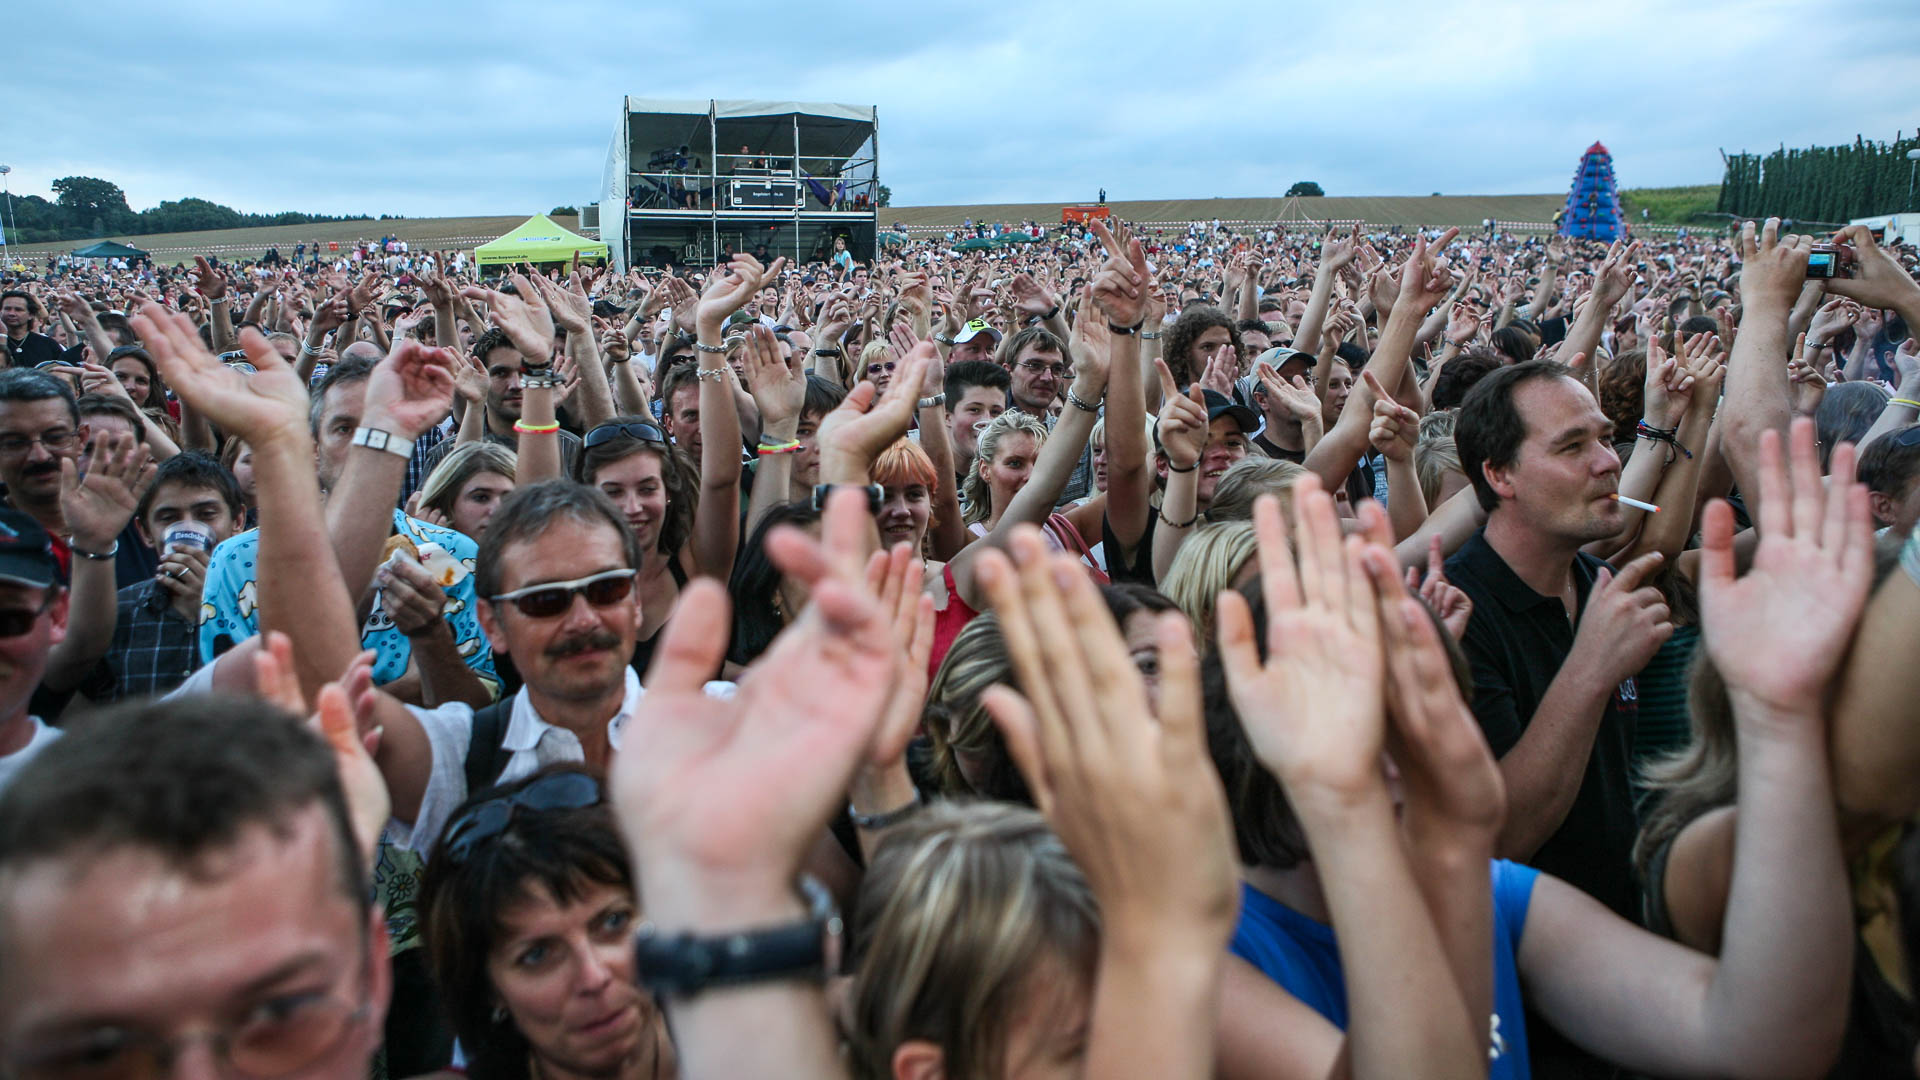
{"x": 229, "y": 612}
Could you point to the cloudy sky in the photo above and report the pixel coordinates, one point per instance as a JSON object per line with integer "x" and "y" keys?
{"x": 495, "y": 107}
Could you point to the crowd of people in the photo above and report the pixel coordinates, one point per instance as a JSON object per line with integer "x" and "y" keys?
{"x": 1252, "y": 653}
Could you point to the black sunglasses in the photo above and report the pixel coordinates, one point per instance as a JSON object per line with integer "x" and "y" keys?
{"x": 875, "y": 369}
{"x": 1908, "y": 437}
{"x": 17, "y": 621}
{"x": 545, "y": 601}
{"x": 485, "y": 820}
{"x": 634, "y": 429}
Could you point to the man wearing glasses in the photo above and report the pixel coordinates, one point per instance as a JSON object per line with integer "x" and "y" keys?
{"x": 33, "y": 619}
{"x": 1040, "y": 372}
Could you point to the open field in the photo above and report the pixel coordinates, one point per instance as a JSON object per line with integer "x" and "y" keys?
{"x": 448, "y": 232}
{"x": 1461, "y": 210}
{"x": 1668, "y": 205}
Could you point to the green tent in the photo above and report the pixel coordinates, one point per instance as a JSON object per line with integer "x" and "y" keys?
{"x": 976, "y": 243}
{"x": 892, "y": 239}
{"x": 108, "y": 249}
{"x": 1012, "y": 238}
{"x": 539, "y": 240}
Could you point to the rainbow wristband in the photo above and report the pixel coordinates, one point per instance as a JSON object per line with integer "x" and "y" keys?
{"x": 536, "y": 429}
{"x": 769, "y": 449}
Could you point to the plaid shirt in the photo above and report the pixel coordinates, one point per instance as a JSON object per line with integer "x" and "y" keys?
{"x": 153, "y": 650}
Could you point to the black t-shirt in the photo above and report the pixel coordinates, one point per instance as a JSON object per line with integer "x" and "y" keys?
{"x": 1515, "y": 643}
{"x": 31, "y": 350}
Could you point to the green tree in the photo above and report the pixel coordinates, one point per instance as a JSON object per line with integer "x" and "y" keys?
{"x": 1305, "y": 187}
{"x": 564, "y": 211}
{"x": 884, "y": 197}
{"x": 89, "y": 202}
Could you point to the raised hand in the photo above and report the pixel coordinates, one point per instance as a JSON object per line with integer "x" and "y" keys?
{"x": 1395, "y": 428}
{"x": 1778, "y": 633}
{"x": 779, "y": 387}
{"x": 717, "y": 815}
{"x": 1446, "y": 768}
{"x": 1425, "y": 279}
{"x": 524, "y": 318}
{"x": 1337, "y": 251}
{"x": 98, "y": 506}
{"x": 1182, "y": 428}
{"x": 731, "y": 286}
{"x": 95, "y": 379}
{"x": 1774, "y": 267}
{"x": 269, "y": 404}
{"x": 210, "y": 283}
{"x": 410, "y": 596}
{"x": 1832, "y": 317}
{"x": 1133, "y": 796}
{"x": 1876, "y": 279}
{"x": 572, "y": 312}
{"x": 1448, "y": 601}
{"x": 853, "y": 434}
{"x": 1031, "y": 299}
{"x": 411, "y": 389}
{"x": 1463, "y": 325}
{"x": 1296, "y": 397}
{"x": 1312, "y": 710}
{"x": 1668, "y": 387}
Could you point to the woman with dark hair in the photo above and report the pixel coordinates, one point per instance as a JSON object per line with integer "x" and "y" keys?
{"x": 529, "y": 914}
{"x": 657, "y": 487}
{"x": 764, "y": 600}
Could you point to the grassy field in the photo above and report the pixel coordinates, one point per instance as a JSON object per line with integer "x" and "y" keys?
{"x": 1677, "y": 206}
{"x": 449, "y": 232}
{"x": 1672, "y": 205}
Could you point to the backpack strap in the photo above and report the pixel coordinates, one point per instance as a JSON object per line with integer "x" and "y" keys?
{"x": 486, "y": 758}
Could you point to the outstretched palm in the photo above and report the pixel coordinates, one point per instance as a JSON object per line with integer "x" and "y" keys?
{"x": 255, "y": 407}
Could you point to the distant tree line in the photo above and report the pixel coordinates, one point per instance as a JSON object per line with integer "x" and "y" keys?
{"x": 1820, "y": 183}
{"x": 86, "y": 208}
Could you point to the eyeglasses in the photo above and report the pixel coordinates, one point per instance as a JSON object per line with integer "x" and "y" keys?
{"x": 545, "y": 601}
{"x": 55, "y": 441}
{"x": 485, "y": 820}
{"x": 875, "y": 369}
{"x": 635, "y": 429}
{"x": 1035, "y": 367}
{"x": 282, "y": 1036}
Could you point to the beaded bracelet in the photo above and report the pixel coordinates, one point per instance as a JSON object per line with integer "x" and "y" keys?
{"x": 716, "y": 374}
{"x": 536, "y": 429}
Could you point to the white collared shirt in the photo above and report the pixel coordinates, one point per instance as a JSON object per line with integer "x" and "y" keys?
{"x": 530, "y": 741}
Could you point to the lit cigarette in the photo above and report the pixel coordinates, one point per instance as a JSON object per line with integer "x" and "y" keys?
{"x": 1636, "y": 503}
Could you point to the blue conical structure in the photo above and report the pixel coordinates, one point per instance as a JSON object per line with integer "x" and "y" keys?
{"x": 1593, "y": 205}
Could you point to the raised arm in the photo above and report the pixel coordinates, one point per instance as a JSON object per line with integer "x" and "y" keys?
{"x": 716, "y": 535}
{"x": 1610, "y": 283}
{"x": 97, "y": 509}
{"x": 1135, "y": 800}
{"x": 1335, "y": 252}
{"x": 573, "y": 314}
{"x": 1774, "y": 269}
{"x": 1121, "y": 294}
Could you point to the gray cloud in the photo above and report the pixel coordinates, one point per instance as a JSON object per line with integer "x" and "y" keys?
{"x": 499, "y": 107}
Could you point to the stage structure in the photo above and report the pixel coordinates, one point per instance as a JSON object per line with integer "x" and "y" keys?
{"x": 688, "y": 182}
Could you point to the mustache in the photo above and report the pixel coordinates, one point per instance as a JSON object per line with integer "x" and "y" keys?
{"x": 598, "y": 639}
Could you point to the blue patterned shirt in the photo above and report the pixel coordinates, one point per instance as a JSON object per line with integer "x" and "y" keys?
{"x": 229, "y": 612}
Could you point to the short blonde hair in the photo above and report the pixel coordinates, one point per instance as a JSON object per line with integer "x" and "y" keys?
{"x": 1209, "y": 559}
{"x": 976, "y": 495}
{"x": 963, "y": 906}
{"x": 1247, "y": 480}
{"x": 462, "y": 464}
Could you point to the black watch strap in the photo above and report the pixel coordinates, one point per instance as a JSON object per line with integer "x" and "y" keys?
{"x": 681, "y": 965}
{"x": 876, "y": 496}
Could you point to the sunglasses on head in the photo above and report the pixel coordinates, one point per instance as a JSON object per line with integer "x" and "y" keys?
{"x": 633, "y": 429}
{"x": 545, "y": 601}
{"x": 485, "y": 820}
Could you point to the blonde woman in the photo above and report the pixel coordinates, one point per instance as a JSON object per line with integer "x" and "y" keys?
{"x": 466, "y": 488}
{"x": 1217, "y": 557}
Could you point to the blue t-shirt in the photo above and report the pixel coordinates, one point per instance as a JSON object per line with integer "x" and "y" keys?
{"x": 228, "y": 614}
{"x": 1300, "y": 955}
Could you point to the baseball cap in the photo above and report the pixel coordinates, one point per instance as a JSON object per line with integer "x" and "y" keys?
{"x": 973, "y": 330}
{"x": 26, "y": 552}
{"x": 1280, "y": 355}
{"x": 1219, "y": 405}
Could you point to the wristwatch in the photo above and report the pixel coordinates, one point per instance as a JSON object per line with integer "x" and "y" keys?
{"x": 875, "y": 496}
{"x": 683, "y": 965}
{"x": 376, "y": 439}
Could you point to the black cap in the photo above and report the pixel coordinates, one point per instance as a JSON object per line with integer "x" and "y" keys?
{"x": 26, "y": 552}
{"x": 1219, "y": 405}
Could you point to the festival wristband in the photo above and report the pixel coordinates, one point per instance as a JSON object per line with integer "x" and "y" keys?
{"x": 536, "y": 429}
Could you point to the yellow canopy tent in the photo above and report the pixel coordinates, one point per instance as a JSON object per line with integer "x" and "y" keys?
{"x": 539, "y": 240}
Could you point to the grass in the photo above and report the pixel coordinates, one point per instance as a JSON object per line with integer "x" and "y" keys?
{"x": 169, "y": 248}
{"x": 1672, "y": 205}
